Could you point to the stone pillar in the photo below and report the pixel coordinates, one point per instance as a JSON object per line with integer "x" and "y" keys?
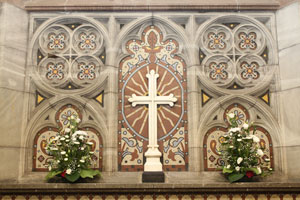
{"x": 288, "y": 29}
{"x": 13, "y": 47}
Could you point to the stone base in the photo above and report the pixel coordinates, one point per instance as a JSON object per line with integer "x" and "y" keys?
{"x": 153, "y": 177}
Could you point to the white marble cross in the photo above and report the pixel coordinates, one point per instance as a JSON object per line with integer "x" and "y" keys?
{"x": 152, "y": 100}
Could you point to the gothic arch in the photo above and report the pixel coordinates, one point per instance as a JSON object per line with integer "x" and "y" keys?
{"x": 258, "y": 113}
{"x": 45, "y": 119}
{"x": 158, "y": 21}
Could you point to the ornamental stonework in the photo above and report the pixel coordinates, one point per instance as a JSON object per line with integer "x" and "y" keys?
{"x": 40, "y": 155}
{"x": 151, "y": 52}
{"x": 214, "y": 137}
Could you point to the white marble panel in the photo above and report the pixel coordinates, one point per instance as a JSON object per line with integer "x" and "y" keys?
{"x": 293, "y": 164}
{"x": 10, "y": 161}
{"x": 290, "y": 107}
{"x": 11, "y": 108}
{"x": 288, "y": 25}
{"x": 289, "y": 67}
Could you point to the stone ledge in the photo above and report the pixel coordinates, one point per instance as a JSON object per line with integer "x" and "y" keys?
{"x": 151, "y": 5}
{"x": 147, "y": 188}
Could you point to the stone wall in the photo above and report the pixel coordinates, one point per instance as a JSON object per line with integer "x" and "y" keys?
{"x": 13, "y": 51}
{"x": 288, "y": 29}
{"x": 33, "y": 106}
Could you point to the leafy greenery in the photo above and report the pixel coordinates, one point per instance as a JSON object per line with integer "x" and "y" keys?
{"x": 71, "y": 153}
{"x": 242, "y": 153}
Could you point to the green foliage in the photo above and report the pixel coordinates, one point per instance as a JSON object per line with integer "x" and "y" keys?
{"x": 52, "y": 174}
{"x": 71, "y": 153}
{"x": 241, "y": 151}
{"x": 73, "y": 177}
{"x": 89, "y": 173}
{"x": 235, "y": 177}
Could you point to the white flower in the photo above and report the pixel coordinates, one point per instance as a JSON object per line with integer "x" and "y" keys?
{"x": 68, "y": 140}
{"x": 81, "y": 133}
{"x": 82, "y": 161}
{"x": 239, "y": 139}
{"x": 76, "y": 142}
{"x": 69, "y": 171}
{"x": 82, "y": 148}
{"x": 228, "y": 166}
{"x": 58, "y": 144}
{"x": 231, "y": 115}
{"x": 237, "y": 168}
{"x": 267, "y": 159}
{"x": 230, "y": 147}
{"x": 62, "y": 138}
{"x": 72, "y": 117}
{"x": 67, "y": 130}
{"x": 91, "y": 152}
{"x": 63, "y": 153}
{"x": 78, "y": 120}
{"x": 81, "y": 137}
{"x": 259, "y": 170}
{"x": 78, "y": 165}
{"x": 233, "y": 130}
{"x": 54, "y": 149}
{"x": 72, "y": 126}
{"x": 239, "y": 160}
{"x": 58, "y": 161}
{"x": 50, "y": 168}
{"x": 65, "y": 159}
{"x": 260, "y": 152}
{"x": 230, "y": 133}
{"x": 89, "y": 143}
{"x": 66, "y": 136}
{"x": 245, "y": 126}
{"x": 249, "y": 137}
{"x": 255, "y": 139}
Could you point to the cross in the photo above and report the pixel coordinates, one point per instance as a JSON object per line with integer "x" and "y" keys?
{"x": 152, "y": 100}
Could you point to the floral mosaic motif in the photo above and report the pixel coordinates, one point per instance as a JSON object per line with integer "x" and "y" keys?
{"x": 212, "y": 143}
{"x": 56, "y": 41}
{"x": 216, "y": 41}
{"x": 249, "y": 71}
{"x": 247, "y": 41}
{"x": 218, "y": 71}
{"x": 55, "y": 71}
{"x": 47, "y": 134}
{"x": 64, "y": 113}
{"x": 87, "y": 41}
{"x": 152, "y": 52}
{"x": 241, "y": 113}
{"x": 86, "y": 71}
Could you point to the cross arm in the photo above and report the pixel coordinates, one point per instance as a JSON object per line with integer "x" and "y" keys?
{"x": 170, "y": 100}
{"x": 137, "y": 100}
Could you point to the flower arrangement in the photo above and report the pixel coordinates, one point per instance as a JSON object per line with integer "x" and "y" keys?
{"x": 241, "y": 152}
{"x": 71, "y": 153}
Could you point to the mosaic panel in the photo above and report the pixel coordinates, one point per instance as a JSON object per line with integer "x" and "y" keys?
{"x": 234, "y": 52}
{"x": 69, "y": 55}
{"x": 152, "y": 53}
{"x": 214, "y": 138}
{"x": 44, "y": 136}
